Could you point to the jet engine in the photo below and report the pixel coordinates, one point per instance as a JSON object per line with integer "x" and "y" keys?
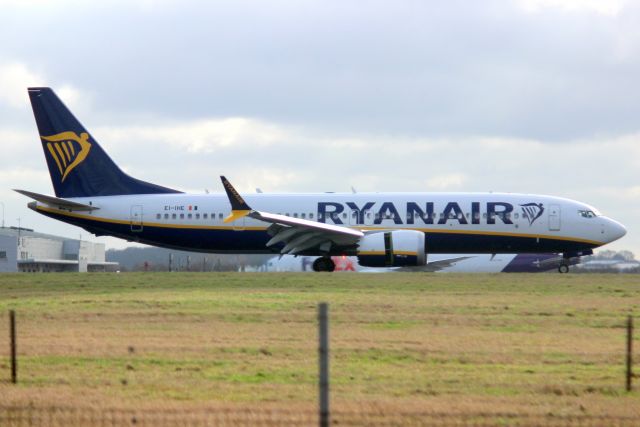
{"x": 400, "y": 248}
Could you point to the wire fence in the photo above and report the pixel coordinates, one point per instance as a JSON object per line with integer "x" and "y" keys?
{"x": 12, "y": 416}
{"x": 254, "y": 414}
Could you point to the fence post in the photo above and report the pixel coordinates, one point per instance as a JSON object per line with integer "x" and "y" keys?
{"x": 12, "y": 337}
{"x": 323, "y": 353}
{"x": 629, "y": 352}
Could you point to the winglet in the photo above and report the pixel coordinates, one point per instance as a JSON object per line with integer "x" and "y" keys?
{"x": 239, "y": 207}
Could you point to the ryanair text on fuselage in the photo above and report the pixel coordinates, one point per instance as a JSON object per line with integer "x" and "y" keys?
{"x": 425, "y": 213}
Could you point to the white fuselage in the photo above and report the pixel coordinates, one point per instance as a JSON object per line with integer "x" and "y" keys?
{"x": 452, "y": 222}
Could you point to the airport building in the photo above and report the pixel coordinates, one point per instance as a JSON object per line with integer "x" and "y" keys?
{"x": 24, "y": 250}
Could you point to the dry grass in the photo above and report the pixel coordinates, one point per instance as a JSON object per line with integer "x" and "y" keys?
{"x": 534, "y": 347}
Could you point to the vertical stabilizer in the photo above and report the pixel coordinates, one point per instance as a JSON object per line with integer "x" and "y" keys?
{"x": 78, "y": 166}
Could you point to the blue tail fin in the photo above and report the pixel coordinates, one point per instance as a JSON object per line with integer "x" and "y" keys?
{"x": 78, "y": 166}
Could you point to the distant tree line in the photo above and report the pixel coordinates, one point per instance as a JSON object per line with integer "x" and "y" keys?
{"x": 608, "y": 254}
{"x": 614, "y": 262}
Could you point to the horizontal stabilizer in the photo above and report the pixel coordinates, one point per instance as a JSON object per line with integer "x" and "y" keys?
{"x": 57, "y": 202}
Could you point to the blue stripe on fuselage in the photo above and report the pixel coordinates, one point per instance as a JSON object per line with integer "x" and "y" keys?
{"x": 254, "y": 241}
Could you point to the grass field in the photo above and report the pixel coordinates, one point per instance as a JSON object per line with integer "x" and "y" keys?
{"x": 503, "y": 348}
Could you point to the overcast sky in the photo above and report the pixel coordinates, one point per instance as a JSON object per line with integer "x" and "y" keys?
{"x": 536, "y": 96}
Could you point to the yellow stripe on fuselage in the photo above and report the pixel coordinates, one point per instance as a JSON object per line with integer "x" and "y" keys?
{"x": 258, "y": 228}
{"x": 491, "y": 233}
{"x": 145, "y": 224}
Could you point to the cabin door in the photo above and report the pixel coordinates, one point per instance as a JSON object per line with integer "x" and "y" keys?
{"x": 554, "y": 217}
{"x": 136, "y": 218}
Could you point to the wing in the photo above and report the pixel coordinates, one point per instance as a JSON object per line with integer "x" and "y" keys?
{"x": 296, "y": 234}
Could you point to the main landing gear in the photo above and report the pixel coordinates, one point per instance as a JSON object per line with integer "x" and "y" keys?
{"x": 324, "y": 264}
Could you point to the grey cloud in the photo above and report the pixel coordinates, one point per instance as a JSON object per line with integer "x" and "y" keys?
{"x": 413, "y": 68}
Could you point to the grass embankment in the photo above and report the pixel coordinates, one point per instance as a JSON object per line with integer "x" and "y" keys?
{"x": 533, "y": 344}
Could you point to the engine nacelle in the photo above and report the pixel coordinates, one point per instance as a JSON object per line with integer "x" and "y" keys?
{"x": 400, "y": 248}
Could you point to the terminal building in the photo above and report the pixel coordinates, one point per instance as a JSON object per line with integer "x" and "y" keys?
{"x": 24, "y": 250}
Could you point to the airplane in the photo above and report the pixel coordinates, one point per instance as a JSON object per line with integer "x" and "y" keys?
{"x": 380, "y": 229}
{"x": 440, "y": 263}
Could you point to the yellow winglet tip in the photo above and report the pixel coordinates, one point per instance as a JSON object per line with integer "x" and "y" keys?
{"x": 236, "y": 215}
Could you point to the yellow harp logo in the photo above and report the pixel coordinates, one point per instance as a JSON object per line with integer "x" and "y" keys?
{"x": 68, "y": 150}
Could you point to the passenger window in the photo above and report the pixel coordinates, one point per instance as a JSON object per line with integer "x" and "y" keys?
{"x": 295, "y": 215}
{"x": 173, "y": 216}
{"x": 181, "y": 216}
{"x": 204, "y": 216}
{"x": 189, "y": 216}
{"x": 158, "y": 216}
{"x": 197, "y": 216}
{"x": 166, "y": 216}
{"x": 310, "y": 216}
{"x": 344, "y": 215}
{"x": 219, "y": 216}
{"x": 516, "y": 215}
{"x": 302, "y": 215}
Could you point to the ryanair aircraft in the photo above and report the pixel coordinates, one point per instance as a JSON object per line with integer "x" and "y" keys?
{"x": 380, "y": 229}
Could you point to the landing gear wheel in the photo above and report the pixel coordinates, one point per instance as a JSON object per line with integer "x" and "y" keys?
{"x": 563, "y": 268}
{"x": 324, "y": 264}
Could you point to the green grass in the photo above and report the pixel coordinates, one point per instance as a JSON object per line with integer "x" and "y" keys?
{"x": 542, "y": 342}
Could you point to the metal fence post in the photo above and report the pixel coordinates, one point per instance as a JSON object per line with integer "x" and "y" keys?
{"x": 323, "y": 353}
{"x": 629, "y": 352}
{"x": 12, "y": 337}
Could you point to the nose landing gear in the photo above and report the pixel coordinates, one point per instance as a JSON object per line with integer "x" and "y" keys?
{"x": 563, "y": 268}
{"x": 324, "y": 264}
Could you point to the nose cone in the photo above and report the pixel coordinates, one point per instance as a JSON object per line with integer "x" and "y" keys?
{"x": 613, "y": 230}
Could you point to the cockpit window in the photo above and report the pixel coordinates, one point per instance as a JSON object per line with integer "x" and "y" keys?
{"x": 587, "y": 214}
